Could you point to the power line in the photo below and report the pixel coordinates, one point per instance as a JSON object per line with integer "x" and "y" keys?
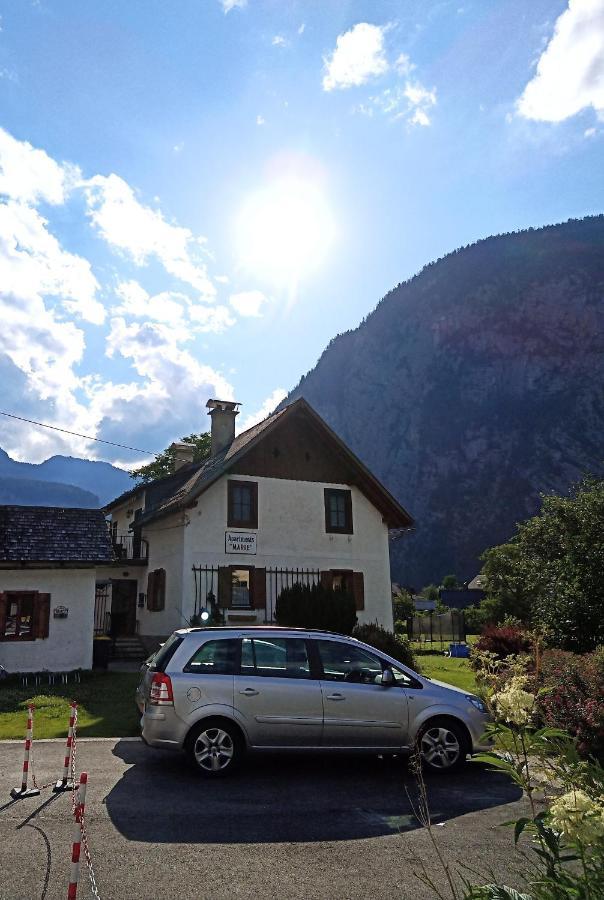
{"x": 87, "y": 437}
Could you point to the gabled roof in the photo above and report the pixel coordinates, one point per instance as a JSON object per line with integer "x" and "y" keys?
{"x": 202, "y": 475}
{"x": 53, "y": 534}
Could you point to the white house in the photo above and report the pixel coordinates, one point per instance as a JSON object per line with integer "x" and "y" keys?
{"x": 48, "y": 571}
{"x": 284, "y": 502}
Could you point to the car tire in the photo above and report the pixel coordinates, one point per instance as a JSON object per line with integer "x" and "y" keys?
{"x": 215, "y": 748}
{"x": 443, "y": 745}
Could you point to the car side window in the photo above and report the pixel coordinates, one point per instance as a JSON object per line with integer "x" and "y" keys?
{"x": 343, "y": 662}
{"x": 275, "y": 657}
{"x": 401, "y": 679}
{"x": 214, "y": 658}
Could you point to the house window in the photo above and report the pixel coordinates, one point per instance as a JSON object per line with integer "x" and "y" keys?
{"x": 24, "y": 615}
{"x": 242, "y": 504}
{"x": 338, "y": 511}
{"x": 241, "y": 588}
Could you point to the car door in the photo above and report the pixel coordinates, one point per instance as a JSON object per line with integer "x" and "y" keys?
{"x": 279, "y": 701}
{"x": 207, "y": 679}
{"x": 358, "y": 710}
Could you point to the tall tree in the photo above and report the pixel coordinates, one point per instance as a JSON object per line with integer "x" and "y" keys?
{"x": 551, "y": 573}
{"x": 163, "y": 464}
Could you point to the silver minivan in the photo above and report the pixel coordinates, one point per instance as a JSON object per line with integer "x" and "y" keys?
{"x": 219, "y": 692}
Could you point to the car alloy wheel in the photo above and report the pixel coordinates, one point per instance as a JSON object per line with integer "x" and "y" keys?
{"x": 214, "y": 750}
{"x": 440, "y": 747}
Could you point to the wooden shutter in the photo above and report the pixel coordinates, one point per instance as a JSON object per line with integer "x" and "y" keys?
{"x": 3, "y": 605}
{"x": 151, "y": 591}
{"x": 224, "y": 586}
{"x": 160, "y": 589}
{"x": 259, "y": 588}
{"x": 327, "y": 580}
{"x": 41, "y": 618}
{"x": 358, "y": 589}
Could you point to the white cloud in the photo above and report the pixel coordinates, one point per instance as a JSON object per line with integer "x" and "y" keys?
{"x": 167, "y": 306}
{"x": 33, "y": 264}
{"x": 570, "y": 71}
{"x": 211, "y": 318}
{"x": 178, "y": 148}
{"x": 30, "y": 175}
{"x": 228, "y": 5}
{"x": 302, "y": 28}
{"x": 260, "y": 120}
{"x": 248, "y": 303}
{"x": 590, "y": 132}
{"x": 280, "y": 41}
{"x": 410, "y": 102}
{"x": 142, "y": 232}
{"x": 403, "y": 65}
{"x": 359, "y": 56}
{"x": 272, "y": 401}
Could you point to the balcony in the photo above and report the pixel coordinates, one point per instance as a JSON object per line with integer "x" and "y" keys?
{"x": 130, "y": 547}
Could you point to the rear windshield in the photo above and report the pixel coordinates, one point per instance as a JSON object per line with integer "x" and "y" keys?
{"x": 160, "y": 659}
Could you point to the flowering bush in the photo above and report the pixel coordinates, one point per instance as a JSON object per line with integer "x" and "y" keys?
{"x": 578, "y": 817}
{"x": 572, "y": 697}
{"x": 514, "y": 705}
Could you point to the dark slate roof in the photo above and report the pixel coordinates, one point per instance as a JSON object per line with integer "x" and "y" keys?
{"x": 53, "y": 534}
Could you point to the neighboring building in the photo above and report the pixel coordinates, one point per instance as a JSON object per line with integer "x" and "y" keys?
{"x": 285, "y": 501}
{"x": 468, "y": 595}
{"x": 48, "y": 570}
{"x": 422, "y": 604}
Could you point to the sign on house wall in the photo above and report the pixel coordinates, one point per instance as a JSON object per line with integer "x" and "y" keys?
{"x": 243, "y": 542}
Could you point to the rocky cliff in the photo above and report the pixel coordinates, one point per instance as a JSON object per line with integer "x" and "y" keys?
{"x": 475, "y": 386}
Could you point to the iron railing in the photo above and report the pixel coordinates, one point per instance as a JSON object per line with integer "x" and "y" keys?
{"x": 102, "y": 616}
{"x": 207, "y": 591}
{"x": 130, "y": 547}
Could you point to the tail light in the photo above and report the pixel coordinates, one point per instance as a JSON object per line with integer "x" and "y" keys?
{"x": 161, "y": 690}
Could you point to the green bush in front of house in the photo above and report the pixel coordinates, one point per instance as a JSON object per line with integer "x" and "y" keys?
{"x": 393, "y": 644}
{"x": 314, "y": 606}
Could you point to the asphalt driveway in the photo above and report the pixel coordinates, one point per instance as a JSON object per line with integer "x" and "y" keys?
{"x": 283, "y": 827}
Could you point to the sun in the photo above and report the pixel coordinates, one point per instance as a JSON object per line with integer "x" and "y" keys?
{"x": 284, "y": 230}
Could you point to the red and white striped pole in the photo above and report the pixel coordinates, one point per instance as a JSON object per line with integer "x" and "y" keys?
{"x": 72, "y": 890}
{"x": 64, "y": 784}
{"x": 23, "y": 791}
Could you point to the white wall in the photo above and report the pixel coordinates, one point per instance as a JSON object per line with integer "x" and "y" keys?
{"x": 166, "y": 540}
{"x": 291, "y": 533}
{"x": 69, "y": 643}
{"x": 120, "y": 513}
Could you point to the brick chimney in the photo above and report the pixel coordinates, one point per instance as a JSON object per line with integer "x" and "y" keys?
{"x": 183, "y": 454}
{"x": 222, "y": 413}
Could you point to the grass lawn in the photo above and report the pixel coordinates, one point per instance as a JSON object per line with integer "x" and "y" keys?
{"x": 443, "y": 668}
{"x": 105, "y": 700}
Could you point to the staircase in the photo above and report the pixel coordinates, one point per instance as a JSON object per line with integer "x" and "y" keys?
{"x": 129, "y": 648}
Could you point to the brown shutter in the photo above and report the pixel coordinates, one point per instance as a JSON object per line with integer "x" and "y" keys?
{"x": 151, "y": 591}
{"x": 358, "y": 589}
{"x": 327, "y": 580}
{"x": 224, "y": 586}
{"x": 160, "y": 589}
{"x": 259, "y": 589}
{"x": 3, "y": 603}
{"x": 41, "y": 623}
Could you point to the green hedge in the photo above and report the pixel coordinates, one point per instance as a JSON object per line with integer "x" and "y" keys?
{"x": 395, "y": 646}
{"x": 306, "y": 606}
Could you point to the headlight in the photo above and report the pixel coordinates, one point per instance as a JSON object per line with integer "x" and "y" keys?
{"x": 477, "y": 702}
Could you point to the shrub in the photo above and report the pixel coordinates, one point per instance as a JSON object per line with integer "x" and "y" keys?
{"x": 503, "y": 641}
{"x": 572, "y": 697}
{"x": 314, "y": 606}
{"x": 395, "y": 646}
{"x": 474, "y": 619}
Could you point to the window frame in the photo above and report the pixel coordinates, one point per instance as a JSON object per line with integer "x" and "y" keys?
{"x": 346, "y": 493}
{"x": 250, "y": 570}
{"x": 18, "y": 597}
{"x": 258, "y": 673}
{"x": 232, "y": 520}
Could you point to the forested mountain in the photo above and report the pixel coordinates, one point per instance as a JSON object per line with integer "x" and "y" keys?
{"x": 60, "y": 481}
{"x": 473, "y": 387}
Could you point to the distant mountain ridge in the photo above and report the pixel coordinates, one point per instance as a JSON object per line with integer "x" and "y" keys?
{"x": 473, "y": 387}
{"x": 60, "y": 481}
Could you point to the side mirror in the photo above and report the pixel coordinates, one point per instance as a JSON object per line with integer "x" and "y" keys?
{"x": 387, "y": 678}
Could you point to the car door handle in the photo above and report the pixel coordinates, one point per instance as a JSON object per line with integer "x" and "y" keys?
{"x": 336, "y": 697}
{"x": 249, "y": 692}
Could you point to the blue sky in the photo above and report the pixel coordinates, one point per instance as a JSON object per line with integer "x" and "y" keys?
{"x": 198, "y": 195}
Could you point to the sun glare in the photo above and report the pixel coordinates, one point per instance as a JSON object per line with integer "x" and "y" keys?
{"x": 284, "y": 230}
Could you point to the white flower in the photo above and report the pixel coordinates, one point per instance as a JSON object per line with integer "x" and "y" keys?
{"x": 578, "y": 817}
{"x": 513, "y": 704}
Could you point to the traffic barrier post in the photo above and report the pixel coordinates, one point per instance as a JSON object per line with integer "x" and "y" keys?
{"x": 77, "y": 838}
{"x": 64, "y": 783}
{"x": 24, "y": 791}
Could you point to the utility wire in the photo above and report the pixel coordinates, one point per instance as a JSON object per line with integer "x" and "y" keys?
{"x": 87, "y": 437}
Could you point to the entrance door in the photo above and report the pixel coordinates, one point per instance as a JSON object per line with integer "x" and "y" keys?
{"x": 123, "y": 607}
